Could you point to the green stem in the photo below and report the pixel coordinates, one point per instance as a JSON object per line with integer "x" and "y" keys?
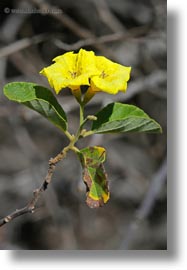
{"x": 88, "y": 133}
{"x": 81, "y": 114}
{"x": 68, "y": 135}
{"x": 74, "y": 138}
{"x": 82, "y": 121}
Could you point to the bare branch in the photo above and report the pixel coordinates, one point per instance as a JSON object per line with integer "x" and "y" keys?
{"x": 135, "y": 32}
{"x": 108, "y": 17}
{"x": 30, "y": 207}
{"x": 27, "y": 42}
{"x": 22, "y": 44}
{"x": 73, "y": 26}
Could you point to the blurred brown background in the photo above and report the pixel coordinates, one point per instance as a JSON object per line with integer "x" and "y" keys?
{"x": 130, "y": 32}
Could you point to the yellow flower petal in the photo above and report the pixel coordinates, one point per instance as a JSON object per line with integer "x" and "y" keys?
{"x": 71, "y": 70}
{"x": 113, "y": 77}
{"x": 86, "y": 63}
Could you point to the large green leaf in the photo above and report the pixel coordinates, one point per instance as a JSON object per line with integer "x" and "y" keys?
{"x": 118, "y": 117}
{"x": 94, "y": 175}
{"x": 39, "y": 99}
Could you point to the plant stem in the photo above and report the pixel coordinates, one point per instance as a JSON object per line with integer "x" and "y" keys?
{"x": 68, "y": 135}
{"x": 88, "y": 133}
{"x": 31, "y": 205}
{"x": 81, "y": 114}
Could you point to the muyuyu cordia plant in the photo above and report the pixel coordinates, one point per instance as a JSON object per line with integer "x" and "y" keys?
{"x": 99, "y": 74}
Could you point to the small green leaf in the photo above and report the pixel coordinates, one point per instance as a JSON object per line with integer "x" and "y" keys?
{"x": 118, "y": 117}
{"x": 94, "y": 175}
{"x": 39, "y": 99}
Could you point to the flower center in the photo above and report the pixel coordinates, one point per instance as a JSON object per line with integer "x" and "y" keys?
{"x": 103, "y": 75}
{"x": 73, "y": 74}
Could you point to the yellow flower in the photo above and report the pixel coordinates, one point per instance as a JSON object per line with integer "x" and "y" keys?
{"x": 71, "y": 70}
{"x": 112, "y": 78}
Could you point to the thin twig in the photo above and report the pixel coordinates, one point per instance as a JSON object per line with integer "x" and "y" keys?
{"x": 135, "y": 32}
{"x": 22, "y": 44}
{"x": 72, "y": 25}
{"x": 27, "y": 42}
{"x": 13, "y": 22}
{"x": 108, "y": 17}
{"x": 30, "y": 207}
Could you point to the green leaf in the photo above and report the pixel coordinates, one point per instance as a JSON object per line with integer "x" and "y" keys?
{"x": 39, "y": 99}
{"x": 118, "y": 117}
{"x": 94, "y": 175}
